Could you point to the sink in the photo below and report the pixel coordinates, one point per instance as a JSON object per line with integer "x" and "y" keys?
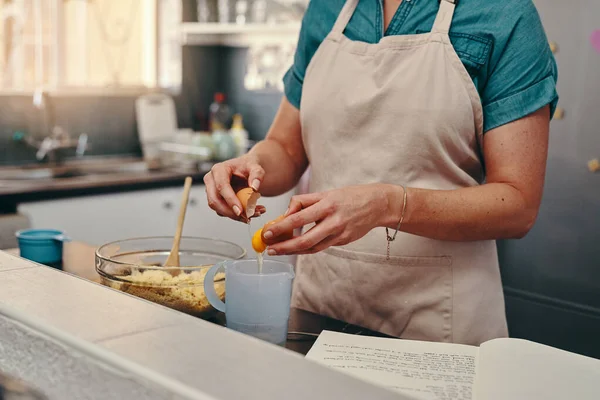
{"x": 35, "y": 173}
{"x": 113, "y": 168}
{"x": 72, "y": 169}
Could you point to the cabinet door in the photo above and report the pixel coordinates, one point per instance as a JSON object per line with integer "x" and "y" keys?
{"x": 100, "y": 219}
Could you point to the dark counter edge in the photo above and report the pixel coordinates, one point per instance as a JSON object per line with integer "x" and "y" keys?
{"x": 9, "y": 202}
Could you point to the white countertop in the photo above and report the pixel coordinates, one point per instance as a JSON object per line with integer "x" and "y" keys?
{"x": 178, "y": 356}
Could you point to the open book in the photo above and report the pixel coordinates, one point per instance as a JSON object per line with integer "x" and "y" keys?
{"x": 500, "y": 369}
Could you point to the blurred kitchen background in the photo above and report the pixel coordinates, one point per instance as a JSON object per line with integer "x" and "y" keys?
{"x": 96, "y": 57}
{"x": 105, "y": 105}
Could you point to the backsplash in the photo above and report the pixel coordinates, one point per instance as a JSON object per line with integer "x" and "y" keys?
{"x": 108, "y": 121}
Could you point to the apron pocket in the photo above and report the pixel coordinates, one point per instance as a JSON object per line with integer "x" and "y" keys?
{"x": 408, "y": 297}
{"x": 406, "y": 261}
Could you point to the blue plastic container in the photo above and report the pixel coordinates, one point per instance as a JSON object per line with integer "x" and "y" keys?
{"x": 44, "y": 246}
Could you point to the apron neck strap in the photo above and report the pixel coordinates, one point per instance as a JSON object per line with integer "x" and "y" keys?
{"x": 344, "y": 17}
{"x": 443, "y": 20}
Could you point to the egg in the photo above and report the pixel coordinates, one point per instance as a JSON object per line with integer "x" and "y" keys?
{"x": 248, "y": 197}
{"x": 282, "y": 237}
{"x": 258, "y": 244}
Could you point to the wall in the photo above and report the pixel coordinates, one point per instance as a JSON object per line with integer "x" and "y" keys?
{"x": 258, "y": 108}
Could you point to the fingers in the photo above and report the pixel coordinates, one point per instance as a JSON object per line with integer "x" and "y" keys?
{"x": 323, "y": 245}
{"x": 221, "y": 174}
{"x": 221, "y": 182}
{"x": 314, "y": 213}
{"x": 318, "y": 238}
{"x": 256, "y": 175}
{"x": 260, "y": 210}
{"x": 300, "y": 202}
{"x": 215, "y": 201}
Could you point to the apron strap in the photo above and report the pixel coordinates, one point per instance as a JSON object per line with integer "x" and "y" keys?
{"x": 443, "y": 20}
{"x": 344, "y": 17}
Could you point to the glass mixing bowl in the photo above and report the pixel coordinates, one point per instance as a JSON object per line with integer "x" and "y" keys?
{"x": 134, "y": 266}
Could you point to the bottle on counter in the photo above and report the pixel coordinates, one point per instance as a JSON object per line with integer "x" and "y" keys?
{"x": 223, "y": 144}
{"x": 204, "y": 140}
{"x": 239, "y": 134}
{"x": 219, "y": 113}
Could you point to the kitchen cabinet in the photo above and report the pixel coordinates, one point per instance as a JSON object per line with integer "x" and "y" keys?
{"x": 105, "y": 218}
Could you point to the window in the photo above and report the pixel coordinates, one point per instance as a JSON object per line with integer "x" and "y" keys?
{"x": 90, "y": 45}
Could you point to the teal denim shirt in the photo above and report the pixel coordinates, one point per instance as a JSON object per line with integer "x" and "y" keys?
{"x": 501, "y": 43}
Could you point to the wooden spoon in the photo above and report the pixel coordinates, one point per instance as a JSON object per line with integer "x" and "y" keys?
{"x": 173, "y": 259}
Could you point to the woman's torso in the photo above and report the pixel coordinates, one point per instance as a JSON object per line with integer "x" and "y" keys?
{"x": 403, "y": 111}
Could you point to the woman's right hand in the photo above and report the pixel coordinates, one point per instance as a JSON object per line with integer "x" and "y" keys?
{"x": 226, "y": 178}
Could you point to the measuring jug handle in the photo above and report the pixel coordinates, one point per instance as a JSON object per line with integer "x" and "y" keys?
{"x": 209, "y": 287}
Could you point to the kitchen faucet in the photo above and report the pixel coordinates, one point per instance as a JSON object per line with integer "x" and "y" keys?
{"x": 55, "y": 137}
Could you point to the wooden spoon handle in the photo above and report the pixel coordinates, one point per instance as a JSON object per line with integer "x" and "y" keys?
{"x": 173, "y": 260}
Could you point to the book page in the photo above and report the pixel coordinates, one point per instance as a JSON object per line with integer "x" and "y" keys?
{"x": 521, "y": 370}
{"x": 422, "y": 370}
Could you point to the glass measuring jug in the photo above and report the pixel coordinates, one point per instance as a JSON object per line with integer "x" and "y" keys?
{"x": 257, "y": 304}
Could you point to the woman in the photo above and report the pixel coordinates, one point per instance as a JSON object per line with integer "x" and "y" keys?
{"x": 425, "y": 145}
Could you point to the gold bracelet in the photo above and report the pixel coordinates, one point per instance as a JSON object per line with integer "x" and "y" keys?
{"x": 387, "y": 232}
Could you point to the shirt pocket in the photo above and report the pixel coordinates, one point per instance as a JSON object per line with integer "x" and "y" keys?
{"x": 473, "y": 51}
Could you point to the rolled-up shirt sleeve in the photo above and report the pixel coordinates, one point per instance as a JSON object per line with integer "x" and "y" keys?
{"x": 522, "y": 75}
{"x": 292, "y": 82}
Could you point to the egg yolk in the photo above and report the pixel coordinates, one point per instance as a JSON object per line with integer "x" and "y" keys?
{"x": 257, "y": 243}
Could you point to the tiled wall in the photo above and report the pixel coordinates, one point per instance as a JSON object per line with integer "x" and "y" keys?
{"x": 109, "y": 122}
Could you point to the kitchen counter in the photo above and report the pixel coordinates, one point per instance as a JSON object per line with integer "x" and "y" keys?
{"x": 77, "y": 339}
{"x": 15, "y": 191}
{"x": 79, "y": 260}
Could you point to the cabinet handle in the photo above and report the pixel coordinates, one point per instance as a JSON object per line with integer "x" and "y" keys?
{"x": 167, "y": 205}
{"x": 193, "y": 202}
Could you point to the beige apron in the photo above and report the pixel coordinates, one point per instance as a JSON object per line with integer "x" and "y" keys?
{"x": 402, "y": 111}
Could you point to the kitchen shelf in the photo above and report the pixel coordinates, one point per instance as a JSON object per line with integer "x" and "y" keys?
{"x": 237, "y": 35}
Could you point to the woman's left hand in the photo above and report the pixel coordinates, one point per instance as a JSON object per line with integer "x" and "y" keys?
{"x": 341, "y": 216}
